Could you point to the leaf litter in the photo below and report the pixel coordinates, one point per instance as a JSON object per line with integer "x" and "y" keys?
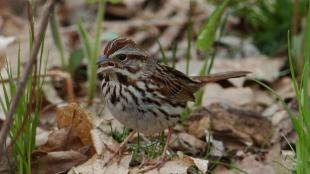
{"x": 238, "y": 124}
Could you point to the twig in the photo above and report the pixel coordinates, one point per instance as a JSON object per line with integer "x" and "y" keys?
{"x": 21, "y": 85}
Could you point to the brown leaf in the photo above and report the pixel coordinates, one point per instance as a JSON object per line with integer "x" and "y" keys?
{"x": 41, "y": 137}
{"x": 189, "y": 143}
{"x": 214, "y": 93}
{"x": 102, "y": 141}
{"x": 247, "y": 125}
{"x": 179, "y": 164}
{"x": 253, "y": 166}
{"x": 57, "y": 162}
{"x": 77, "y": 118}
{"x": 61, "y": 140}
{"x": 227, "y": 121}
{"x": 96, "y": 165}
{"x": 199, "y": 122}
{"x": 284, "y": 88}
{"x": 5, "y": 162}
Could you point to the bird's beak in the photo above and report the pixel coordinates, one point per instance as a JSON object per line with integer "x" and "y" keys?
{"x": 104, "y": 64}
{"x": 101, "y": 59}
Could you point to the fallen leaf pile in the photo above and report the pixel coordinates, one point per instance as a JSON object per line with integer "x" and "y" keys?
{"x": 240, "y": 127}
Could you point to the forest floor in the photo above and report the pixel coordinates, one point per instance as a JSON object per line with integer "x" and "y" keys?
{"x": 240, "y": 126}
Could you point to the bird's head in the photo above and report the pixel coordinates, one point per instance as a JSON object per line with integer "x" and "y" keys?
{"x": 122, "y": 56}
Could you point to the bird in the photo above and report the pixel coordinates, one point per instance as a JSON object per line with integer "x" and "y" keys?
{"x": 145, "y": 95}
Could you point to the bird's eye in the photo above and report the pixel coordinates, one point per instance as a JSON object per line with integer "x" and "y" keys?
{"x": 122, "y": 57}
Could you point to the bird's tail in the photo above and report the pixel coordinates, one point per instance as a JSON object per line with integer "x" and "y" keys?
{"x": 219, "y": 76}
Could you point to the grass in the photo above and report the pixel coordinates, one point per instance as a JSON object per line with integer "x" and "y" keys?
{"x": 119, "y": 136}
{"x": 230, "y": 166}
{"x": 92, "y": 51}
{"x": 26, "y": 118}
{"x": 151, "y": 150}
{"x": 262, "y": 18}
{"x": 189, "y": 36}
{"x": 57, "y": 40}
{"x": 76, "y": 56}
{"x": 162, "y": 52}
{"x": 23, "y": 130}
{"x": 301, "y": 122}
{"x": 205, "y": 43}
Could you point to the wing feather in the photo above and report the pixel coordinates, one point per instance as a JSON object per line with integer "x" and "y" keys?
{"x": 175, "y": 85}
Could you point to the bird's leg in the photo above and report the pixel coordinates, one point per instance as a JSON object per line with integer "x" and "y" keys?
{"x": 170, "y": 130}
{"x": 119, "y": 150}
{"x": 163, "y": 158}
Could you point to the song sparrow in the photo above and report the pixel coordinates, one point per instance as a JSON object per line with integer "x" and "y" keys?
{"x": 143, "y": 94}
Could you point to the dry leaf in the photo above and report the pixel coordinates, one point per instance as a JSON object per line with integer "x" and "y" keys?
{"x": 247, "y": 125}
{"x": 214, "y": 93}
{"x": 62, "y": 140}
{"x": 251, "y": 165}
{"x": 5, "y": 164}
{"x": 96, "y": 165}
{"x": 6, "y": 41}
{"x": 177, "y": 165}
{"x": 57, "y": 162}
{"x": 41, "y": 137}
{"x": 284, "y": 88}
{"x": 227, "y": 121}
{"x": 51, "y": 94}
{"x": 201, "y": 164}
{"x": 102, "y": 141}
{"x": 120, "y": 167}
{"x": 198, "y": 122}
{"x": 77, "y": 118}
{"x": 188, "y": 143}
{"x": 217, "y": 149}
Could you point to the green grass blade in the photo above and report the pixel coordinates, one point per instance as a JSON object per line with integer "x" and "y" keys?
{"x": 75, "y": 59}
{"x": 189, "y": 37}
{"x": 89, "y": 53}
{"x": 18, "y": 61}
{"x": 292, "y": 69}
{"x": 85, "y": 39}
{"x": 92, "y": 75}
{"x": 4, "y": 103}
{"x": 98, "y": 28}
{"x": 57, "y": 40}
{"x": 305, "y": 76}
{"x": 162, "y": 52}
{"x": 276, "y": 95}
{"x": 206, "y": 37}
{"x": 174, "y": 55}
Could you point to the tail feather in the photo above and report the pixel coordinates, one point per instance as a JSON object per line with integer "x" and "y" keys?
{"x": 219, "y": 76}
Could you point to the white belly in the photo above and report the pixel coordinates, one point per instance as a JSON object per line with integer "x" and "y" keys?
{"x": 145, "y": 117}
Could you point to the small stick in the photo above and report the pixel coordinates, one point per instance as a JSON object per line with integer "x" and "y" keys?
{"x": 120, "y": 148}
{"x": 21, "y": 85}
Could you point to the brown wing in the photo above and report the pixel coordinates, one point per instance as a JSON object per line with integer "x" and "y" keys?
{"x": 173, "y": 84}
{"x": 176, "y": 86}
